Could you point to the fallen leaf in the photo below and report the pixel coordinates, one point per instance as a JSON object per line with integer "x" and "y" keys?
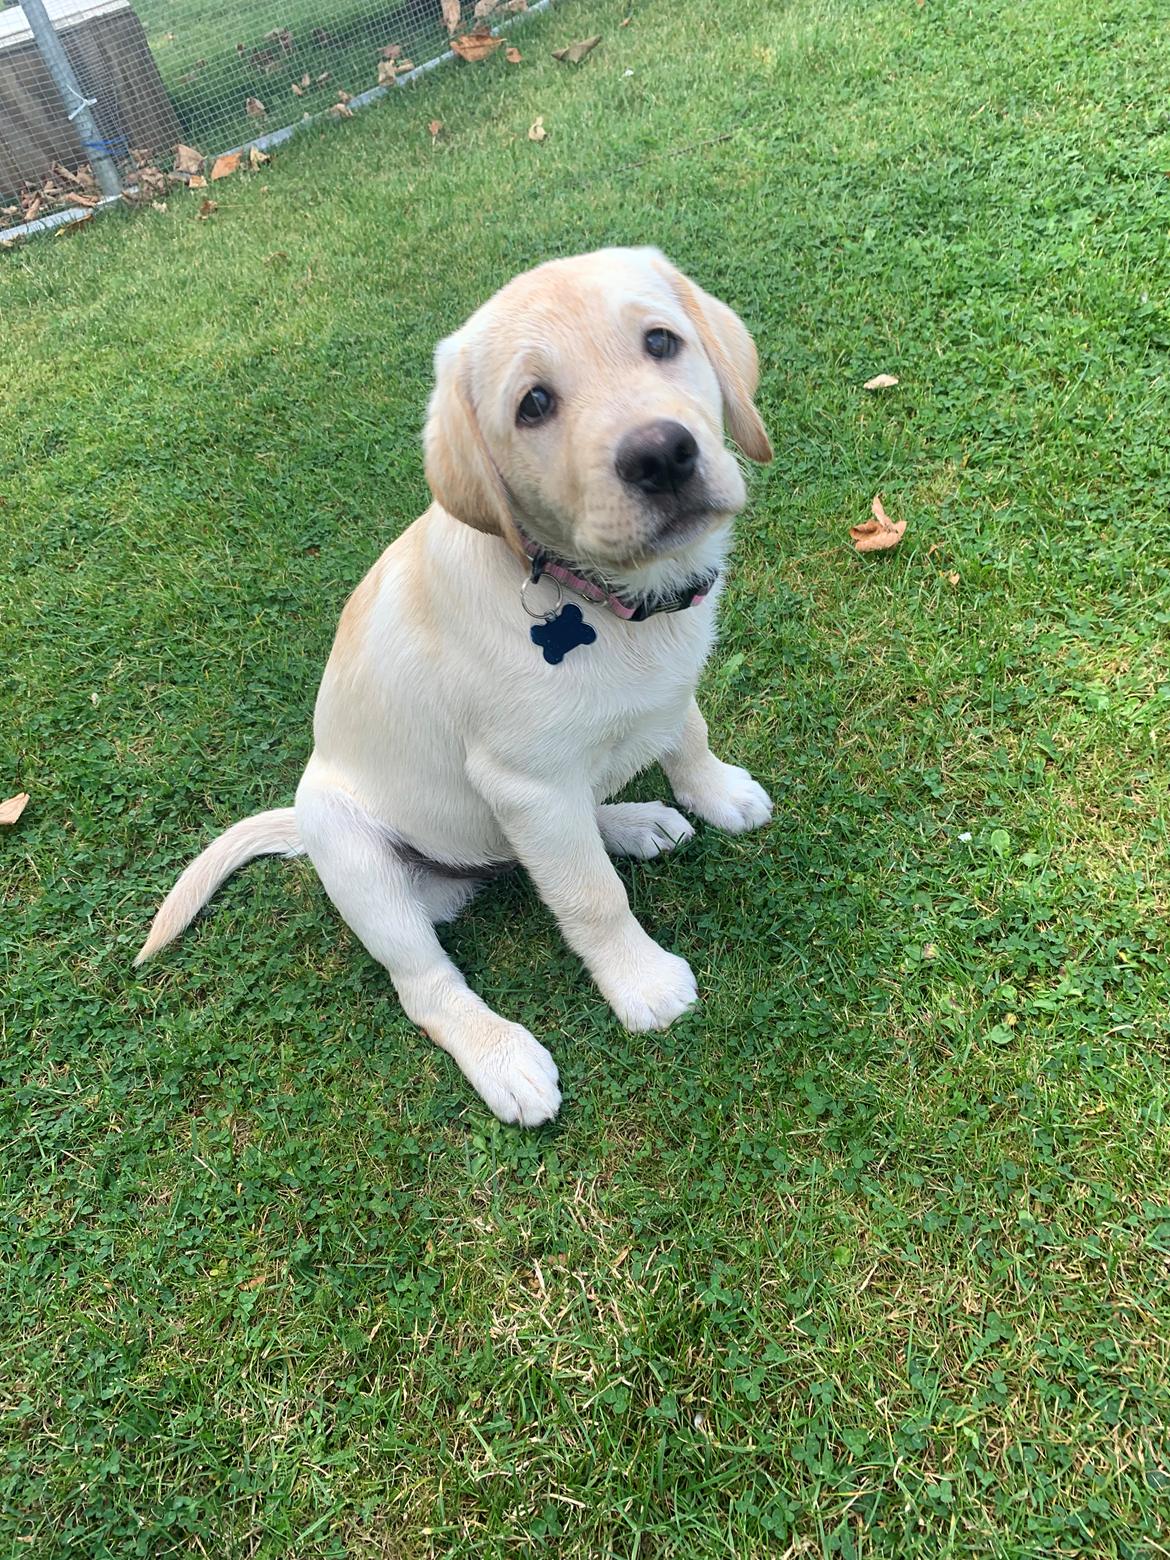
{"x": 207, "y": 209}
{"x": 343, "y": 96}
{"x": 33, "y": 210}
{"x": 392, "y": 51}
{"x": 625, "y": 21}
{"x": 387, "y": 71}
{"x": 475, "y": 46}
{"x": 513, "y": 56}
{"x": 254, "y": 107}
{"x": 514, "y": 6}
{"x": 484, "y": 8}
{"x": 952, "y": 578}
{"x": 11, "y": 810}
{"x": 881, "y": 382}
{"x": 225, "y": 165}
{"x": 341, "y": 111}
{"x": 255, "y": 1283}
{"x": 158, "y": 205}
{"x": 929, "y": 951}
{"x": 879, "y": 533}
{"x": 196, "y": 182}
{"x": 141, "y": 155}
{"x": 256, "y": 157}
{"x": 434, "y": 127}
{"x": 576, "y": 52}
{"x": 324, "y": 77}
{"x": 536, "y": 130}
{"x": 187, "y": 159}
{"x": 76, "y": 198}
{"x": 298, "y": 89}
{"x": 451, "y": 10}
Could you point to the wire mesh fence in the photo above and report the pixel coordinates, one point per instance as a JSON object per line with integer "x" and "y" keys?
{"x": 145, "y": 78}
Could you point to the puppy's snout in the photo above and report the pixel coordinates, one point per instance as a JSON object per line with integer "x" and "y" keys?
{"x": 659, "y": 457}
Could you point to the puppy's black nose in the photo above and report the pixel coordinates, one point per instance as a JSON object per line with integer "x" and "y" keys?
{"x": 659, "y": 457}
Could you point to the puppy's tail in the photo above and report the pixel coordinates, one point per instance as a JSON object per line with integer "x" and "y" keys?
{"x": 267, "y": 834}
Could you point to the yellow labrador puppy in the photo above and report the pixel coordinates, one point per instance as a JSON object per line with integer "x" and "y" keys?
{"x": 472, "y": 715}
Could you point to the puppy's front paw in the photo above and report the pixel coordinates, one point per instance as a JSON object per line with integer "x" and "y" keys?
{"x": 647, "y": 987}
{"x": 511, "y": 1072}
{"x": 728, "y": 798}
{"x": 642, "y": 829}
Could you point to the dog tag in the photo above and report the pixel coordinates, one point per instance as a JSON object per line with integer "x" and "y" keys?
{"x": 561, "y": 632}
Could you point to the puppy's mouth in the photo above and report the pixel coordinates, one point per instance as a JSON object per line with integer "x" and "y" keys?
{"x": 678, "y": 522}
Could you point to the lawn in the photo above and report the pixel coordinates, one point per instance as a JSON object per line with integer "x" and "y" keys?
{"x": 869, "y": 1255}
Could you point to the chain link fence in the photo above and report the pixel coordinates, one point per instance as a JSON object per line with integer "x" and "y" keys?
{"x": 114, "y": 95}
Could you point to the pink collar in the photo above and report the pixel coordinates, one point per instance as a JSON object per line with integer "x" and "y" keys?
{"x": 692, "y": 593}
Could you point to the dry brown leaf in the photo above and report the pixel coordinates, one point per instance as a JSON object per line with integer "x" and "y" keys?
{"x": 207, "y": 209}
{"x": 881, "y": 382}
{"x": 298, "y": 89}
{"x": 256, "y": 157}
{"x": 158, "y": 205}
{"x": 33, "y": 210}
{"x": 513, "y": 56}
{"x": 576, "y": 52}
{"x": 343, "y": 96}
{"x": 341, "y": 111}
{"x": 255, "y": 1283}
{"x": 625, "y": 21}
{"x": 536, "y": 130}
{"x": 878, "y": 534}
{"x": 196, "y": 182}
{"x": 254, "y": 107}
{"x": 434, "y": 127}
{"x": 392, "y": 51}
{"x": 11, "y": 810}
{"x": 187, "y": 159}
{"x": 475, "y": 46}
{"x": 484, "y": 8}
{"x": 451, "y": 10}
{"x": 514, "y": 6}
{"x": 952, "y": 578}
{"x": 324, "y": 77}
{"x": 387, "y": 71}
{"x": 225, "y": 165}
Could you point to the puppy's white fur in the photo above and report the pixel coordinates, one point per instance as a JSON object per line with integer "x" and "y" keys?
{"x": 442, "y": 737}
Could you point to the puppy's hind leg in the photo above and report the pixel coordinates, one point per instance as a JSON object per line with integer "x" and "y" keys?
{"x": 390, "y": 911}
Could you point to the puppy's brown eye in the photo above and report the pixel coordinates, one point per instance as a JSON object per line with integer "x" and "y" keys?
{"x": 538, "y": 404}
{"x": 662, "y": 343}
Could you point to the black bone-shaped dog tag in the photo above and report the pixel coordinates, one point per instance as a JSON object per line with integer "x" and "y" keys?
{"x": 563, "y": 632}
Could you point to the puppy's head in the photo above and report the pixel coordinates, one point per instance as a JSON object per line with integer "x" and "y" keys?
{"x": 587, "y": 401}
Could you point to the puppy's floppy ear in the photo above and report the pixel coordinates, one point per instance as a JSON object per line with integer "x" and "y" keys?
{"x": 733, "y": 354}
{"x": 459, "y": 467}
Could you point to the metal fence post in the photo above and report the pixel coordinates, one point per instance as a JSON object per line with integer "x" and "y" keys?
{"x": 77, "y": 105}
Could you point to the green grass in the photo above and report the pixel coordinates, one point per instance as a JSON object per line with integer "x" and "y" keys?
{"x": 869, "y": 1255}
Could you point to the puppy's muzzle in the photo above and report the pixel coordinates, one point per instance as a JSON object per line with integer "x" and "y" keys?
{"x": 658, "y": 459}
